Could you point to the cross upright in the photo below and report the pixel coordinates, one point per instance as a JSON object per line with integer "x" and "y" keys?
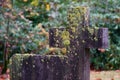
{"x": 78, "y": 38}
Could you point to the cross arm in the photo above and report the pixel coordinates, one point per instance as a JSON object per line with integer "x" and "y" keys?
{"x": 96, "y": 38}
{"x": 91, "y": 38}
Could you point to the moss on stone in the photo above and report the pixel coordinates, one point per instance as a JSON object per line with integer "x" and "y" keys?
{"x": 65, "y": 35}
{"x": 66, "y": 42}
{"x": 16, "y": 65}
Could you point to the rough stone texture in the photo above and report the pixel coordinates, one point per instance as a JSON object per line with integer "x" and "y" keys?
{"x": 82, "y": 38}
{"x": 38, "y": 67}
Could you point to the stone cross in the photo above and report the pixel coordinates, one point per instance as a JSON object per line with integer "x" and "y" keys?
{"x": 77, "y": 38}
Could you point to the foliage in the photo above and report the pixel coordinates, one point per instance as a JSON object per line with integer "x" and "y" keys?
{"x": 105, "y": 13}
{"x": 18, "y": 34}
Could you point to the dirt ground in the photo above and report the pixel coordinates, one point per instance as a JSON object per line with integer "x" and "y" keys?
{"x": 94, "y": 75}
{"x": 105, "y": 75}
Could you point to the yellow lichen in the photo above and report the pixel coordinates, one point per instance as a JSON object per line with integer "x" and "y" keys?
{"x": 74, "y": 17}
{"x": 95, "y": 38}
{"x": 65, "y": 35}
{"x": 73, "y": 29}
{"x": 64, "y": 51}
{"x": 90, "y": 30}
{"x": 57, "y": 32}
{"x": 66, "y": 42}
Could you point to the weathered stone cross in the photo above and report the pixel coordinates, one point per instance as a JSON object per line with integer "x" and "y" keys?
{"x": 77, "y": 38}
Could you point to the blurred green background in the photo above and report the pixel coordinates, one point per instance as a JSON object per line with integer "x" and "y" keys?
{"x": 20, "y": 32}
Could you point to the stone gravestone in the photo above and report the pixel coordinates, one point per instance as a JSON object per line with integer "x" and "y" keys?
{"x": 77, "y": 38}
